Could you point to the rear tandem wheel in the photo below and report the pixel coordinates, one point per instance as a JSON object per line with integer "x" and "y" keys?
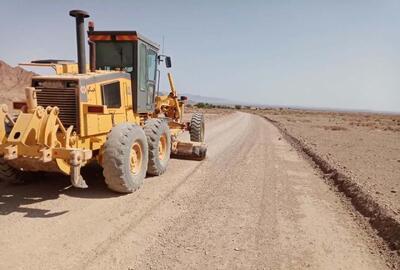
{"x": 159, "y": 141}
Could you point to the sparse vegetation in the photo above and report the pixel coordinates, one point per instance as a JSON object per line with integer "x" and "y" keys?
{"x": 202, "y": 105}
{"x": 205, "y": 105}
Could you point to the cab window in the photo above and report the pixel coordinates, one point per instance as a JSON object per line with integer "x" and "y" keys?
{"x": 142, "y": 68}
{"x": 111, "y": 55}
{"x": 111, "y": 95}
{"x": 151, "y": 65}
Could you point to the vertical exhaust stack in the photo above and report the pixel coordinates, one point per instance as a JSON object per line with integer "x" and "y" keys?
{"x": 80, "y": 16}
{"x": 92, "y": 49}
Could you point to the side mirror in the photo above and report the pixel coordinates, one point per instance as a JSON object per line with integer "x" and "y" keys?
{"x": 168, "y": 62}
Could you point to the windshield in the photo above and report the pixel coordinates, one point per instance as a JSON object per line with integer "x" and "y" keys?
{"x": 111, "y": 55}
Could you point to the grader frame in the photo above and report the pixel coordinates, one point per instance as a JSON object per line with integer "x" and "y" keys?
{"x": 97, "y": 102}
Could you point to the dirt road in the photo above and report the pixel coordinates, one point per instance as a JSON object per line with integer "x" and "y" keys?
{"x": 253, "y": 204}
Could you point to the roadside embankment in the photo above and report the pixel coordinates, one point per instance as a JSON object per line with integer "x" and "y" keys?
{"x": 358, "y": 153}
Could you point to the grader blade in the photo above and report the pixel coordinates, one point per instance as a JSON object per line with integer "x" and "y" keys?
{"x": 189, "y": 150}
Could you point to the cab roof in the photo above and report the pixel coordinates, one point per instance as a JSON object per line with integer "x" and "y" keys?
{"x": 87, "y": 78}
{"x": 120, "y": 36}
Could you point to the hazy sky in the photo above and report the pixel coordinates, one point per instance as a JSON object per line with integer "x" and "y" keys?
{"x": 338, "y": 54}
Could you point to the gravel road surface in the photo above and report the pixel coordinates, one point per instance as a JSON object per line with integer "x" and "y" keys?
{"x": 254, "y": 203}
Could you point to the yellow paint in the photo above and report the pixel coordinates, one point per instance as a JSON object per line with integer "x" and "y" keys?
{"x": 39, "y": 133}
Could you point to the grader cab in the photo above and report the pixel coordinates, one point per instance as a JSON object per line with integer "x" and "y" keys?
{"x": 109, "y": 111}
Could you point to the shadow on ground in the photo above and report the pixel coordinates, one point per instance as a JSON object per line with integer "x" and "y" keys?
{"x": 40, "y": 187}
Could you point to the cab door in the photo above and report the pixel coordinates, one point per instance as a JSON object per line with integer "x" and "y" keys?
{"x": 147, "y": 78}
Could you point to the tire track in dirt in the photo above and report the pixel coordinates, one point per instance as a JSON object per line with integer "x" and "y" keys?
{"x": 252, "y": 204}
{"x": 231, "y": 216}
{"x": 219, "y": 126}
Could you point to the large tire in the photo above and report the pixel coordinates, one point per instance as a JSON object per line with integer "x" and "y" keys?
{"x": 10, "y": 174}
{"x": 125, "y": 158}
{"x": 197, "y": 127}
{"x": 159, "y": 141}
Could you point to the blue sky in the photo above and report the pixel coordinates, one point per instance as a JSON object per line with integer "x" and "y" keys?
{"x": 337, "y": 54}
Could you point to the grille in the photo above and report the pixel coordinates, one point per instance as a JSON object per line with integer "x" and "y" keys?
{"x": 65, "y": 99}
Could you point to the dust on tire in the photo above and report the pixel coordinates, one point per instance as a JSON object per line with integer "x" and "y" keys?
{"x": 158, "y": 137}
{"x": 117, "y": 158}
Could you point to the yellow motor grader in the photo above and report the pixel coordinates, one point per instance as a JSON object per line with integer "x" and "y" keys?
{"x": 109, "y": 111}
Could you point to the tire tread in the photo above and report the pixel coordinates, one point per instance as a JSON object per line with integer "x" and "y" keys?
{"x": 154, "y": 128}
{"x": 196, "y": 125}
{"x": 116, "y": 158}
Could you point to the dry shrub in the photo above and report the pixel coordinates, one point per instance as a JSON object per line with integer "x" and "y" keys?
{"x": 369, "y": 124}
{"x": 394, "y": 129}
{"x": 335, "y": 128}
{"x": 305, "y": 120}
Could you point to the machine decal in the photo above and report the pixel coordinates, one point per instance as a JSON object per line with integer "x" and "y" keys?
{"x": 83, "y": 94}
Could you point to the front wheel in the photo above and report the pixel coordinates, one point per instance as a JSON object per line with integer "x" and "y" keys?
{"x": 125, "y": 158}
{"x": 197, "y": 128}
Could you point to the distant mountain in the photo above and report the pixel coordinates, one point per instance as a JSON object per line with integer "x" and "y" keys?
{"x": 193, "y": 99}
{"x": 13, "y": 81}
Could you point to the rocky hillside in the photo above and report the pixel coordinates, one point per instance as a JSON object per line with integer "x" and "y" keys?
{"x": 13, "y": 80}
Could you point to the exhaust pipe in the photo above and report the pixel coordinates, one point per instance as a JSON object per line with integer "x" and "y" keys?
{"x": 92, "y": 49}
{"x": 80, "y": 16}
{"x": 92, "y": 56}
